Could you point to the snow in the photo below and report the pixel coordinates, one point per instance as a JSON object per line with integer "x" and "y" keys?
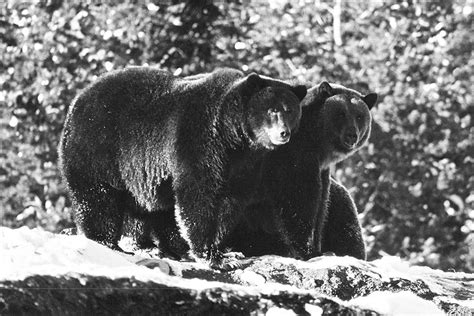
{"x": 250, "y": 277}
{"x": 324, "y": 262}
{"x": 33, "y": 251}
{"x": 277, "y": 311}
{"x": 25, "y": 252}
{"x": 313, "y": 310}
{"x": 401, "y": 303}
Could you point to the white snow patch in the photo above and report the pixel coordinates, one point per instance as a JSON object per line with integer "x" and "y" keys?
{"x": 251, "y": 278}
{"x": 33, "y": 251}
{"x": 396, "y": 266}
{"x": 25, "y": 252}
{"x": 313, "y": 310}
{"x": 323, "y": 262}
{"x": 401, "y": 303}
{"x": 437, "y": 280}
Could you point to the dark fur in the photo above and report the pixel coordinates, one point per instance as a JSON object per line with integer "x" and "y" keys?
{"x": 297, "y": 183}
{"x": 297, "y": 191}
{"x": 342, "y": 232}
{"x": 134, "y": 132}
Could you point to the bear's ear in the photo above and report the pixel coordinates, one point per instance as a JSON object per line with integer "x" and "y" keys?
{"x": 325, "y": 90}
{"x": 300, "y": 91}
{"x": 254, "y": 80}
{"x": 370, "y": 99}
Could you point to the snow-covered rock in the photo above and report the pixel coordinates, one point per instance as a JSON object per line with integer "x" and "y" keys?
{"x": 45, "y": 273}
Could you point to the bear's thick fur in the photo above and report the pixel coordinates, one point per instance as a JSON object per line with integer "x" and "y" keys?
{"x": 342, "y": 232}
{"x": 297, "y": 192}
{"x": 297, "y": 187}
{"x": 139, "y": 139}
{"x": 255, "y": 235}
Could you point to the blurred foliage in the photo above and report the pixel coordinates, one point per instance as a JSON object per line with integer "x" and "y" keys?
{"x": 414, "y": 181}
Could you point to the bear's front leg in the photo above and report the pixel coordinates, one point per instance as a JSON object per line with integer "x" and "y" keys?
{"x": 300, "y": 233}
{"x": 297, "y": 213}
{"x": 204, "y": 219}
{"x": 98, "y": 210}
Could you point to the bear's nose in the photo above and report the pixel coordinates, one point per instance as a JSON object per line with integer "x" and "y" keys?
{"x": 350, "y": 138}
{"x": 285, "y": 134}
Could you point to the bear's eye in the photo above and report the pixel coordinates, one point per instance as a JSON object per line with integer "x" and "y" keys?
{"x": 272, "y": 110}
{"x": 359, "y": 117}
{"x": 341, "y": 115}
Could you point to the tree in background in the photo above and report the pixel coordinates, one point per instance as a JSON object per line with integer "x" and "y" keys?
{"x": 413, "y": 182}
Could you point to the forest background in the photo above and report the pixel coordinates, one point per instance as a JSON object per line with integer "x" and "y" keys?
{"x": 413, "y": 182}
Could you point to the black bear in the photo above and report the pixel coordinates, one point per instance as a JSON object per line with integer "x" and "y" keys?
{"x": 135, "y": 134}
{"x": 303, "y": 213}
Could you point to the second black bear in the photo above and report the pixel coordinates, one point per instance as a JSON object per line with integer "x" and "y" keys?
{"x": 335, "y": 123}
{"x": 136, "y": 129}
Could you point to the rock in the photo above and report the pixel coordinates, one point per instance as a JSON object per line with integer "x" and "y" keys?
{"x": 45, "y": 273}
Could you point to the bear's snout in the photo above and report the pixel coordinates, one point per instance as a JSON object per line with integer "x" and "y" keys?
{"x": 279, "y": 135}
{"x": 349, "y": 139}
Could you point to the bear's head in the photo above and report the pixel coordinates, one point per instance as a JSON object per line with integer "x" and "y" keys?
{"x": 273, "y": 111}
{"x": 343, "y": 116}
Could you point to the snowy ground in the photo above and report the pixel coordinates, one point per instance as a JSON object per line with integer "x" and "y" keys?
{"x": 26, "y": 252}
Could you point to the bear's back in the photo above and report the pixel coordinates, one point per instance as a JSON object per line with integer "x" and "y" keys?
{"x": 214, "y": 85}
{"x": 130, "y": 90}
{"x": 149, "y": 94}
